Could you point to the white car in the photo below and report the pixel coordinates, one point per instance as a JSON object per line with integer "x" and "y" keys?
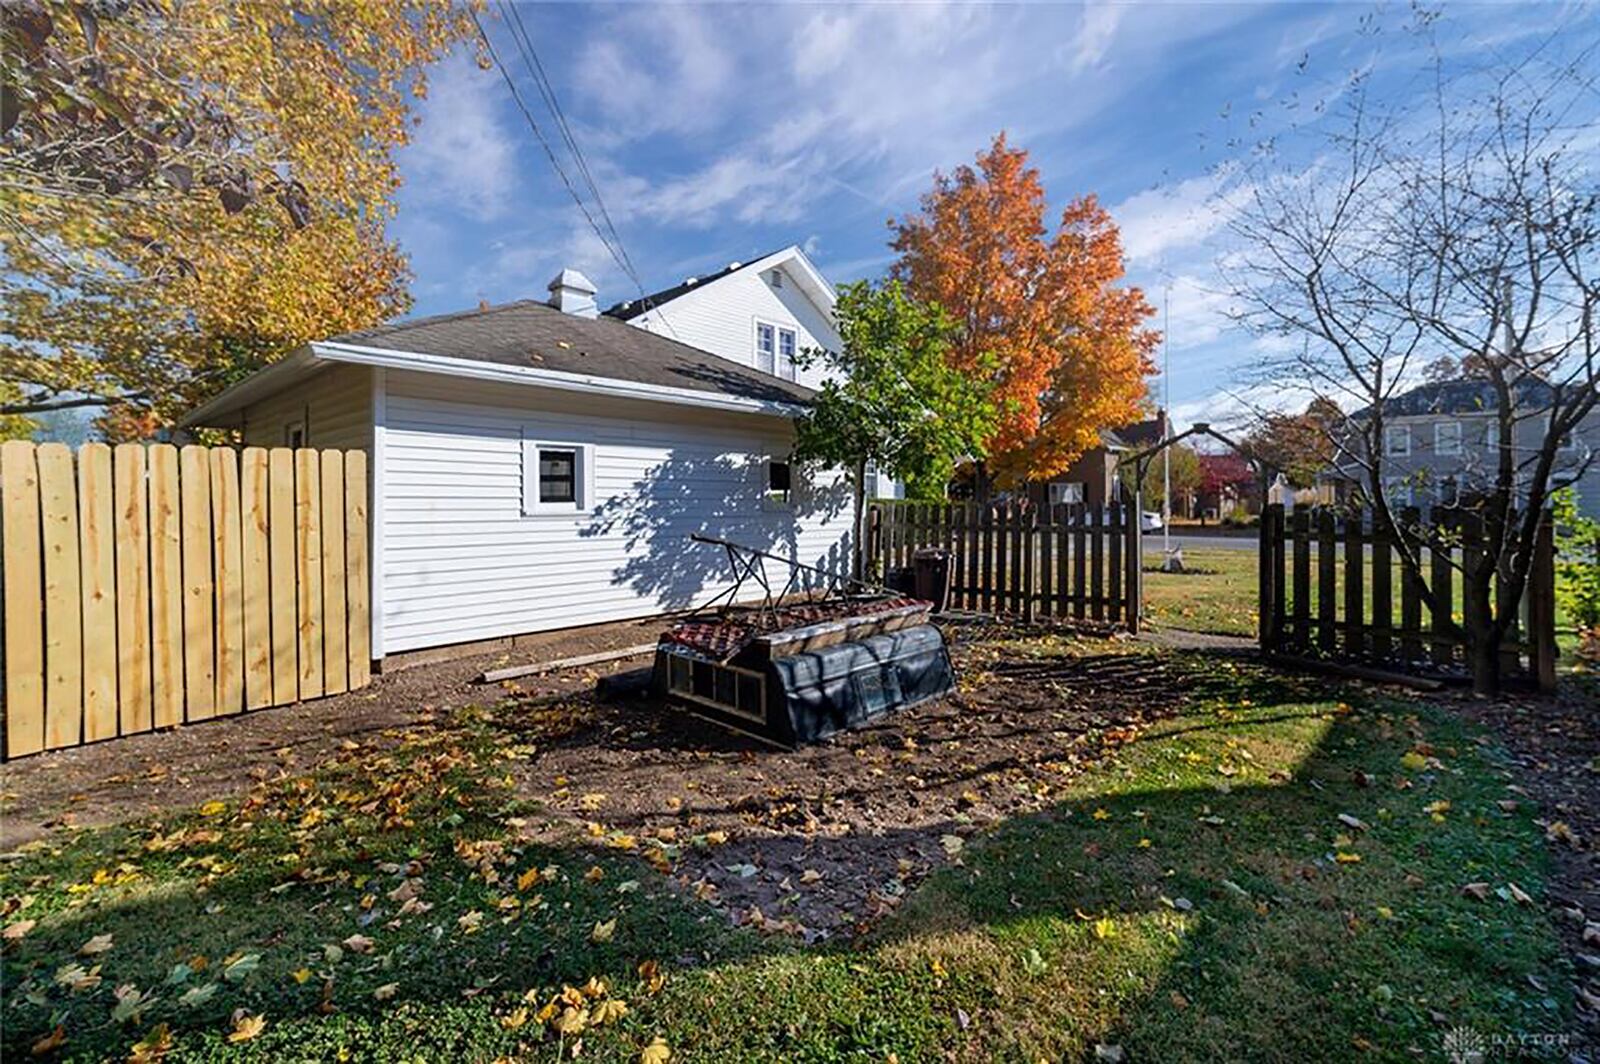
{"x": 1150, "y": 521}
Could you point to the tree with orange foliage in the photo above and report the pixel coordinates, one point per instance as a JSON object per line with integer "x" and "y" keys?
{"x": 1069, "y": 342}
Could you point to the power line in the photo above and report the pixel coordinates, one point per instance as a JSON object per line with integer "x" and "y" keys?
{"x": 530, "y": 60}
{"x": 617, "y": 253}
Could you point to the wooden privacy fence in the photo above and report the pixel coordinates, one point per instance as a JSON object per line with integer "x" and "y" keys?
{"x": 1330, "y": 585}
{"x": 148, "y": 586}
{"x": 1017, "y": 558}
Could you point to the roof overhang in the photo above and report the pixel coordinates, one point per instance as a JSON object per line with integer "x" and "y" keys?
{"x": 314, "y": 356}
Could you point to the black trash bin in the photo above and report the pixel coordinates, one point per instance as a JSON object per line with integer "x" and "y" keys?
{"x": 931, "y": 567}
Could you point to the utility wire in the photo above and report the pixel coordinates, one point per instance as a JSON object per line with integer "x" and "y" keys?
{"x": 617, "y": 253}
{"x": 530, "y": 60}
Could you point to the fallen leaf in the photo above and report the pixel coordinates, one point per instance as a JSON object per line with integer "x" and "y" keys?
{"x": 603, "y": 931}
{"x": 197, "y": 996}
{"x": 214, "y": 809}
{"x": 236, "y": 970}
{"x": 514, "y": 1019}
{"x": 358, "y": 944}
{"x": 152, "y": 1047}
{"x": 1476, "y": 890}
{"x": 656, "y": 1052}
{"x": 594, "y": 875}
{"x": 572, "y": 1020}
{"x": 386, "y": 991}
{"x": 528, "y": 879}
{"x": 97, "y": 944}
{"x": 54, "y": 1040}
{"x": 1560, "y": 832}
{"x": 1354, "y": 823}
{"x": 15, "y": 931}
{"x": 1518, "y": 895}
{"x": 609, "y": 1011}
{"x": 810, "y": 875}
{"x": 953, "y": 844}
{"x": 246, "y": 1027}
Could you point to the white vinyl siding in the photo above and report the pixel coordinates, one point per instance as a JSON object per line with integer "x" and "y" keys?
{"x": 463, "y": 562}
{"x": 723, "y": 316}
{"x": 334, "y": 409}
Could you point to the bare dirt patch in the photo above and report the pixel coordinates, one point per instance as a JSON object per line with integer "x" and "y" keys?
{"x": 156, "y": 772}
{"x": 820, "y": 841}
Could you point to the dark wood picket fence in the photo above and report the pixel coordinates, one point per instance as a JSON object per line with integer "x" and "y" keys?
{"x": 1019, "y": 559}
{"x": 1331, "y": 582}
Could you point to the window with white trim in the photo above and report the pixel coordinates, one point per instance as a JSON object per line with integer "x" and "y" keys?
{"x": 1447, "y": 437}
{"x": 557, "y": 478}
{"x": 766, "y": 347}
{"x": 786, "y": 353}
{"x": 1066, "y": 493}
{"x": 1397, "y": 440}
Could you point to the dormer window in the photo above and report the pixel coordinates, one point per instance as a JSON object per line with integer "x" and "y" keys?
{"x": 786, "y": 351}
{"x": 766, "y": 347}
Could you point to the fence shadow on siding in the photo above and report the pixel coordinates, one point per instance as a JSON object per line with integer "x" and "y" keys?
{"x": 716, "y": 496}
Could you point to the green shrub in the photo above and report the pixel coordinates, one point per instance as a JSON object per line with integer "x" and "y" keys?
{"x": 1577, "y": 561}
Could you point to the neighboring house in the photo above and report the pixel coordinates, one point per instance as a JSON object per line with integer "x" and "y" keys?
{"x": 1227, "y": 484}
{"x": 1092, "y": 480}
{"x": 1441, "y": 440}
{"x": 539, "y": 466}
{"x": 762, "y": 314}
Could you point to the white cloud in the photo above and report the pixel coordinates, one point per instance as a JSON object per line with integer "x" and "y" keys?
{"x": 1160, "y": 221}
{"x": 656, "y": 69}
{"x": 462, "y": 153}
{"x": 1095, "y": 36}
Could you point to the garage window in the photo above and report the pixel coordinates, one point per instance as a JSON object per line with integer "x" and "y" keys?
{"x": 557, "y": 478}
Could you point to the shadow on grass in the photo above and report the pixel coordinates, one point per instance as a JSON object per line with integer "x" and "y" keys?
{"x": 1188, "y": 901}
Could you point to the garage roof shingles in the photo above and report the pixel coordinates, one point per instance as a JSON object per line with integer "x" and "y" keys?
{"x": 533, "y": 334}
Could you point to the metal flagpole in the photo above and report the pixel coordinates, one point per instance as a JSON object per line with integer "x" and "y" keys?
{"x": 1166, "y": 422}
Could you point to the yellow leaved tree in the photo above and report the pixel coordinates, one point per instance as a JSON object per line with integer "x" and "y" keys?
{"x": 190, "y": 190}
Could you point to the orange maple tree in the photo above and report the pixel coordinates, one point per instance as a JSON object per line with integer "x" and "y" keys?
{"x": 1069, "y": 343}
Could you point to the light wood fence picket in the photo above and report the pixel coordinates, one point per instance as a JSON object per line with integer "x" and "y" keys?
{"x": 147, "y": 586}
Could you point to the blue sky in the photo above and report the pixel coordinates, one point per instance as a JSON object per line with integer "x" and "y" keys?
{"x": 716, "y": 132}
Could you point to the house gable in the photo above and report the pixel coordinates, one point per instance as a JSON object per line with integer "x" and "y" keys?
{"x": 725, "y": 313}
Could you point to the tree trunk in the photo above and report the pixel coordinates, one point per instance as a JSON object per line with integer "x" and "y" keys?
{"x": 981, "y": 487}
{"x": 1484, "y": 637}
{"x": 1484, "y": 658}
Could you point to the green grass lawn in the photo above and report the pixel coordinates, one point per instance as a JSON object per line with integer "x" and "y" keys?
{"x": 1219, "y": 595}
{"x": 1197, "y": 897}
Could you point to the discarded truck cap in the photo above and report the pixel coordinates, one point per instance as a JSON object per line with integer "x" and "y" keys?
{"x": 816, "y": 655}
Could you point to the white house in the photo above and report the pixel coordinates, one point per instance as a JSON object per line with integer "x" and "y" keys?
{"x": 538, "y": 465}
{"x": 760, "y": 313}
